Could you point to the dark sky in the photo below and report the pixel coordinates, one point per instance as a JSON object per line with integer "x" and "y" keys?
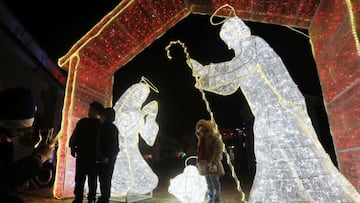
{"x": 57, "y": 25}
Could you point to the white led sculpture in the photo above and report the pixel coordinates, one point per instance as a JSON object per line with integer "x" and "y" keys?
{"x": 291, "y": 164}
{"x": 189, "y": 186}
{"x": 132, "y": 175}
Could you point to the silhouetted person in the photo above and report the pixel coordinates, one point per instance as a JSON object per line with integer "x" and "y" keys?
{"x": 107, "y": 152}
{"x": 83, "y": 147}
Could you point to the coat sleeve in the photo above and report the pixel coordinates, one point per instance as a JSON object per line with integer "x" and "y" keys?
{"x": 18, "y": 173}
{"x": 218, "y": 150}
{"x": 73, "y": 138}
{"x": 109, "y": 140}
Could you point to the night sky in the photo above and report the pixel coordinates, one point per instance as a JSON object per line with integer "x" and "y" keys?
{"x": 56, "y": 26}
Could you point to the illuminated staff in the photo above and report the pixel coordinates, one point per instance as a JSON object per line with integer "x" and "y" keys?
{"x": 228, "y": 159}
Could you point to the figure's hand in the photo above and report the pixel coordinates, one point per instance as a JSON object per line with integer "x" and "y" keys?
{"x": 197, "y": 68}
{"x": 150, "y": 127}
{"x": 194, "y": 64}
{"x": 103, "y": 160}
{"x": 73, "y": 153}
{"x": 46, "y": 146}
{"x": 212, "y": 167}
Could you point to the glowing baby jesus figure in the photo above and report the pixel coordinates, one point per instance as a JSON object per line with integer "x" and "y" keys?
{"x": 189, "y": 186}
{"x": 132, "y": 174}
{"x": 291, "y": 164}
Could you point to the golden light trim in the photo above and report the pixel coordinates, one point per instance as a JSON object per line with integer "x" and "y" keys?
{"x": 65, "y": 178}
{"x": 353, "y": 25}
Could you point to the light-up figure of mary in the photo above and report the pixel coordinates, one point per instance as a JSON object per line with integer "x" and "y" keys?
{"x": 291, "y": 164}
{"x": 132, "y": 174}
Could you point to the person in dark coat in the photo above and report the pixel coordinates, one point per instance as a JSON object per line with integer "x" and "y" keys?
{"x": 209, "y": 153}
{"x": 17, "y": 112}
{"x": 108, "y": 149}
{"x": 83, "y": 147}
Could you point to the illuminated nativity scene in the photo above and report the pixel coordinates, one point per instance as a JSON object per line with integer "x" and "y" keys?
{"x": 291, "y": 164}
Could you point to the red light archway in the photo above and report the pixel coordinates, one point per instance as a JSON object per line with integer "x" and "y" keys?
{"x": 134, "y": 24}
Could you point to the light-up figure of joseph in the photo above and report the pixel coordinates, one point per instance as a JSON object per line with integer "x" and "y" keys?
{"x": 132, "y": 174}
{"x": 291, "y": 164}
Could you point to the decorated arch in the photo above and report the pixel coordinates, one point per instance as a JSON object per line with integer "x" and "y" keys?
{"x": 134, "y": 24}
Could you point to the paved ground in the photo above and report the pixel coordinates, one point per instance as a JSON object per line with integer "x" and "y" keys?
{"x": 229, "y": 194}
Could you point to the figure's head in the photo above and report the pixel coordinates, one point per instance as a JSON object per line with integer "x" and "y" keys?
{"x": 233, "y": 30}
{"x": 95, "y": 109}
{"x": 17, "y": 113}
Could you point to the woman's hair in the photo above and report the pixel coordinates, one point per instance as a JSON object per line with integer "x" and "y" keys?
{"x": 205, "y": 124}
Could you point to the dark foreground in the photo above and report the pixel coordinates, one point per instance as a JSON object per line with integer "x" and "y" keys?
{"x": 229, "y": 194}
